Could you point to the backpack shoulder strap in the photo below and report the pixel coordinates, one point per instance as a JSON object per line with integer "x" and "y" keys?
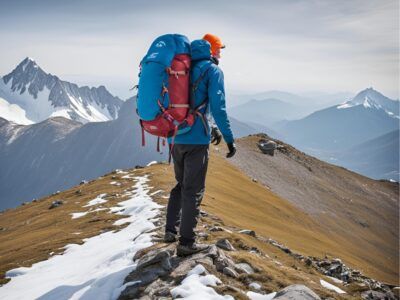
{"x": 204, "y": 67}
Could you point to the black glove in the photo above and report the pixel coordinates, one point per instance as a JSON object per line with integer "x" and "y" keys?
{"x": 216, "y": 136}
{"x": 232, "y": 150}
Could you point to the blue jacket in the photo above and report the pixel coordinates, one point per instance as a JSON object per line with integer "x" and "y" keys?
{"x": 211, "y": 87}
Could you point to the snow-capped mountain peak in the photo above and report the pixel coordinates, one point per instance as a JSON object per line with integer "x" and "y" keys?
{"x": 370, "y": 98}
{"x": 42, "y": 95}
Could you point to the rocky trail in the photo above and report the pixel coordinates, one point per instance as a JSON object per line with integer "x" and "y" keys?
{"x": 229, "y": 269}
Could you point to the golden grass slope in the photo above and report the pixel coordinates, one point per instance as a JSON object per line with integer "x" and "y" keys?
{"x": 30, "y": 233}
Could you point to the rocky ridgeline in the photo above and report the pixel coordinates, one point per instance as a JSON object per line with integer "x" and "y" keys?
{"x": 337, "y": 269}
{"x": 159, "y": 270}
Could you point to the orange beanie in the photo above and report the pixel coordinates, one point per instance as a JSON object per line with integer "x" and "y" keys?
{"x": 215, "y": 42}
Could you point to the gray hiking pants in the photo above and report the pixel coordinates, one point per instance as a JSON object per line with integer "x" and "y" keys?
{"x": 190, "y": 165}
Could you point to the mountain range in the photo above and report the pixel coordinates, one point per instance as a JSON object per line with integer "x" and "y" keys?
{"x": 58, "y": 153}
{"x": 368, "y": 115}
{"x": 63, "y": 149}
{"x": 30, "y": 95}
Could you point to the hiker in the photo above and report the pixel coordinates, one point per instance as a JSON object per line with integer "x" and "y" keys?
{"x": 190, "y": 151}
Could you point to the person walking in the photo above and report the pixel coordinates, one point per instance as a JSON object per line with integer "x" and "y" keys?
{"x": 190, "y": 151}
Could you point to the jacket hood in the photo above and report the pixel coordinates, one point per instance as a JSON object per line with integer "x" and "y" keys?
{"x": 200, "y": 50}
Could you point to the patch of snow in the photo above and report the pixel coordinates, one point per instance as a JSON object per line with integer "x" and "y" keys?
{"x": 93, "y": 270}
{"x": 197, "y": 287}
{"x": 120, "y": 171}
{"x": 367, "y": 104}
{"x": 122, "y": 221}
{"x": 127, "y": 177}
{"x": 257, "y": 296}
{"x": 36, "y": 110}
{"x": 13, "y": 113}
{"x": 152, "y": 163}
{"x": 331, "y": 287}
{"x": 156, "y": 192}
{"x": 115, "y": 183}
{"x": 255, "y": 285}
{"x": 78, "y": 214}
{"x": 98, "y": 200}
{"x": 61, "y": 112}
{"x": 344, "y": 105}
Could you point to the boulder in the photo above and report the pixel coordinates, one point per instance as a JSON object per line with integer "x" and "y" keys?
{"x": 216, "y": 228}
{"x": 230, "y": 272}
{"x": 267, "y": 146}
{"x": 56, "y": 203}
{"x": 298, "y": 292}
{"x": 244, "y": 268}
{"x": 222, "y": 261}
{"x": 248, "y": 232}
{"x": 225, "y": 244}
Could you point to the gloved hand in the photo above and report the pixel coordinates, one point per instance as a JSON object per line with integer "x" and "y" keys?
{"x": 216, "y": 136}
{"x": 232, "y": 150}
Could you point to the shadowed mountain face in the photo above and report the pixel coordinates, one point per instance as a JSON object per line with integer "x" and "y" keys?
{"x": 58, "y": 153}
{"x": 377, "y": 158}
{"x": 41, "y": 95}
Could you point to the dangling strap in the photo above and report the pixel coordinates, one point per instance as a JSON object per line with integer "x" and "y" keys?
{"x": 143, "y": 140}
{"x": 171, "y": 145}
{"x": 158, "y": 144}
{"x": 203, "y": 120}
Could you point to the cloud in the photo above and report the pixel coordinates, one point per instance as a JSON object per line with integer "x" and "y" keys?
{"x": 299, "y": 45}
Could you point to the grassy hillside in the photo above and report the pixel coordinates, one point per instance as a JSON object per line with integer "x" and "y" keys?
{"x": 32, "y": 232}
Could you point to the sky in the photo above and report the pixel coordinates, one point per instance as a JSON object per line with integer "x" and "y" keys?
{"x": 295, "y": 46}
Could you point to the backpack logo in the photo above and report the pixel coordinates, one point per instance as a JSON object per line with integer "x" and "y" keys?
{"x": 160, "y": 44}
{"x": 152, "y": 55}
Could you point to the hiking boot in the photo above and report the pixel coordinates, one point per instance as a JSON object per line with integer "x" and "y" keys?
{"x": 169, "y": 237}
{"x": 185, "y": 250}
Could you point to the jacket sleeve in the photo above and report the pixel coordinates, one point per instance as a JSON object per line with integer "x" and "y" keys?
{"x": 216, "y": 96}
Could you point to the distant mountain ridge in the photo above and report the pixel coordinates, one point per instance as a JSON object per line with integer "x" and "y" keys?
{"x": 267, "y": 111}
{"x": 370, "y": 98}
{"x": 376, "y": 158}
{"x": 368, "y": 115}
{"x": 42, "y": 95}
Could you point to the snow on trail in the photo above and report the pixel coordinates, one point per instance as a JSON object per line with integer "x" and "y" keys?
{"x": 331, "y": 287}
{"x": 197, "y": 287}
{"x": 98, "y": 200}
{"x": 95, "y": 269}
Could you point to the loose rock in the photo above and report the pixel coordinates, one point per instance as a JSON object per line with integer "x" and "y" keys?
{"x": 55, "y": 204}
{"x": 248, "y": 232}
{"x": 230, "y": 272}
{"x": 225, "y": 244}
{"x": 298, "y": 292}
{"x": 244, "y": 268}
